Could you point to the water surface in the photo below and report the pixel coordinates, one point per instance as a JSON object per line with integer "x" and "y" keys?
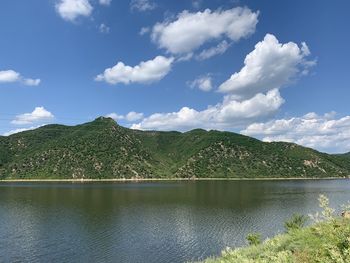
{"x": 148, "y": 221}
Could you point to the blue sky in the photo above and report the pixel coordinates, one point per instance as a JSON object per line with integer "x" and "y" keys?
{"x": 275, "y": 70}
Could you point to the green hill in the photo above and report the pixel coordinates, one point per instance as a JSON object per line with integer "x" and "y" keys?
{"x": 103, "y": 149}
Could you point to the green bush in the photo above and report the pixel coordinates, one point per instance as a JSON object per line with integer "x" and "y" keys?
{"x": 326, "y": 241}
{"x": 254, "y": 239}
{"x": 297, "y": 221}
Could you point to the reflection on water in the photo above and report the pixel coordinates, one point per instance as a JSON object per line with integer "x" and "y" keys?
{"x": 147, "y": 222}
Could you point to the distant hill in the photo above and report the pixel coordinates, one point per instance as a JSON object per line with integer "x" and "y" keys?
{"x": 347, "y": 155}
{"x": 103, "y": 149}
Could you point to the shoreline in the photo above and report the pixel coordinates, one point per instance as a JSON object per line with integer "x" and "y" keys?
{"x": 171, "y": 179}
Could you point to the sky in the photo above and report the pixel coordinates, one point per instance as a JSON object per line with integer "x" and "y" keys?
{"x": 274, "y": 70}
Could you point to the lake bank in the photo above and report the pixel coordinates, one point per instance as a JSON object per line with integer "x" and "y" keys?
{"x": 173, "y": 179}
{"x": 322, "y": 242}
{"x": 326, "y": 240}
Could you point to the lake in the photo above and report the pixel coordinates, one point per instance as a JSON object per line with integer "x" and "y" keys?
{"x": 170, "y": 221}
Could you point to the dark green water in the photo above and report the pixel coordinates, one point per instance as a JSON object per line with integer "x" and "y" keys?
{"x": 148, "y": 222}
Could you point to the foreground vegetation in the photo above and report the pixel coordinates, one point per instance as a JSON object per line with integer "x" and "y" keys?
{"x": 325, "y": 241}
{"x": 103, "y": 150}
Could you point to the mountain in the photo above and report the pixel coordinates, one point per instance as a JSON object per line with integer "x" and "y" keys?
{"x": 103, "y": 149}
{"x": 346, "y": 155}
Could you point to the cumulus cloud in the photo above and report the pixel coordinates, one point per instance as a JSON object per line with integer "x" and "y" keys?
{"x": 322, "y": 132}
{"x": 203, "y": 83}
{"x": 189, "y": 30}
{"x": 252, "y": 94}
{"x": 11, "y": 76}
{"x": 145, "y": 72}
{"x": 225, "y": 115}
{"x": 70, "y": 10}
{"x": 115, "y": 116}
{"x": 271, "y": 65}
{"x": 105, "y": 2}
{"x": 142, "y": 5}
{"x": 131, "y": 116}
{"x": 39, "y": 114}
{"x": 104, "y": 29}
{"x": 213, "y": 51}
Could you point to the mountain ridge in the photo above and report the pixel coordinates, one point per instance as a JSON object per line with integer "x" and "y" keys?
{"x": 104, "y": 149}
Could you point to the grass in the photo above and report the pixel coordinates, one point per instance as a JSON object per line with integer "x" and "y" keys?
{"x": 325, "y": 241}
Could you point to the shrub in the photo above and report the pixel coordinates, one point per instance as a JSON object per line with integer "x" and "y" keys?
{"x": 254, "y": 239}
{"x": 327, "y": 212}
{"x": 326, "y": 241}
{"x": 297, "y": 221}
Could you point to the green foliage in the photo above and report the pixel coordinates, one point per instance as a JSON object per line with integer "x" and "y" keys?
{"x": 254, "y": 239}
{"x": 326, "y": 241}
{"x": 103, "y": 149}
{"x": 327, "y": 212}
{"x": 295, "y": 222}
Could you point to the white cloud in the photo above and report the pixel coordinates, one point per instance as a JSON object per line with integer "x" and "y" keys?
{"x": 105, "y": 2}
{"x": 213, "y": 51}
{"x": 104, "y": 29}
{"x": 31, "y": 82}
{"x": 185, "y": 57}
{"x": 11, "y": 76}
{"x": 226, "y": 115}
{"x": 131, "y": 116}
{"x": 197, "y": 3}
{"x": 255, "y": 97}
{"x": 142, "y": 5}
{"x": 69, "y": 10}
{"x": 322, "y": 132}
{"x": 20, "y": 130}
{"x": 191, "y": 30}
{"x": 144, "y": 30}
{"x": 39, "y": 114}
{"x": 203, "y": 83}
{"x": 271, "y": 65}
{"x": 145, "y": 72}
{"x": 115, "y": 116}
